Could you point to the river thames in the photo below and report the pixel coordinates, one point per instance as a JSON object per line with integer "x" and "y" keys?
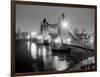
{"x": 32, "y": 57}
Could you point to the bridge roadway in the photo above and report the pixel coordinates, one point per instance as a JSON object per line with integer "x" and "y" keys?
{"x": 64, "y": 46}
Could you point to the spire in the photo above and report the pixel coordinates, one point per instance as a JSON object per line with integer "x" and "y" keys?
{"x": 45, "y": 21}
{"x": 63, "y": 16}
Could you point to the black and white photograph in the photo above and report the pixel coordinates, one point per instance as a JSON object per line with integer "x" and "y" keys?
{"x": 54, "y": 38}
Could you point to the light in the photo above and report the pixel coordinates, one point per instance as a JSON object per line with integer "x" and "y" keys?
{"x": 39, "y": 37}
{"x": 69, "y": 40}
{"x": 28, "y": 36}
{"x": 33, "y": 34}
{"x": 60, "y": 65}
{"x": 33, "y": 50}
{"x": 91, "y": 41}
{"x": 57, "y": 40}
{"x": 44, "y": 53}
{"x": 28, "y": 45}
{"x": 64, "y": 24}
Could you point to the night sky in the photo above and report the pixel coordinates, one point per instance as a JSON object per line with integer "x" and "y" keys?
{"x": 28, "y": 17}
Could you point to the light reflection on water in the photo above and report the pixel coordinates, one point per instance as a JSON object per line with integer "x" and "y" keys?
{"x": 44, "y": 53}
{"x": 60, "y": 64}
{"x": 39, "y": 51}
{"x": 28, "y": 45}
{"x": 33, "y": 50}
{"x": 50, "y": 61}
{"x": 34, "y": 57}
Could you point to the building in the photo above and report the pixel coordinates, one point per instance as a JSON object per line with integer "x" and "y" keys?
{"x": 53, "y": 30}
{"x": 48, "y": 29}
{"x": 21, "y": 35}
{"x": 62, "y": 32}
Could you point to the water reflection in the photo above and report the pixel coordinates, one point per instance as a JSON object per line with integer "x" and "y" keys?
{"x": 44, "y": 59}
{"x": 59, "y": 64}
{"x": 33, "y": 50}
{"x": 33, "y": 57}
{"x": 39, "y": 51}
{"x": 28, "y": 45}
{"x": 44, "y": 53}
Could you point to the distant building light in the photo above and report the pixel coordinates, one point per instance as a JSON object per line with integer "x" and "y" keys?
{"x": 69, "y": 40}
{"x": 39, "y": 37}
{"x": 33, "y": 34}
{"x": 57, "y": 40}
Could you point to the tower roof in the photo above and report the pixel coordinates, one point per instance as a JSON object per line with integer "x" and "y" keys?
{"x": 63, "y": 15}
{"x": 44, "y": 21}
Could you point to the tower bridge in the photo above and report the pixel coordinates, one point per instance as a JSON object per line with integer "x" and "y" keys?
{"x": 68, "y": 37}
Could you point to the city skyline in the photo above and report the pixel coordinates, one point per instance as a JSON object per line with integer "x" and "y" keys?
{"x": 29, "y": 17}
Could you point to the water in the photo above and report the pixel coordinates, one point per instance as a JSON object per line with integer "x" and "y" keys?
{"x": 32, "y": 57}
